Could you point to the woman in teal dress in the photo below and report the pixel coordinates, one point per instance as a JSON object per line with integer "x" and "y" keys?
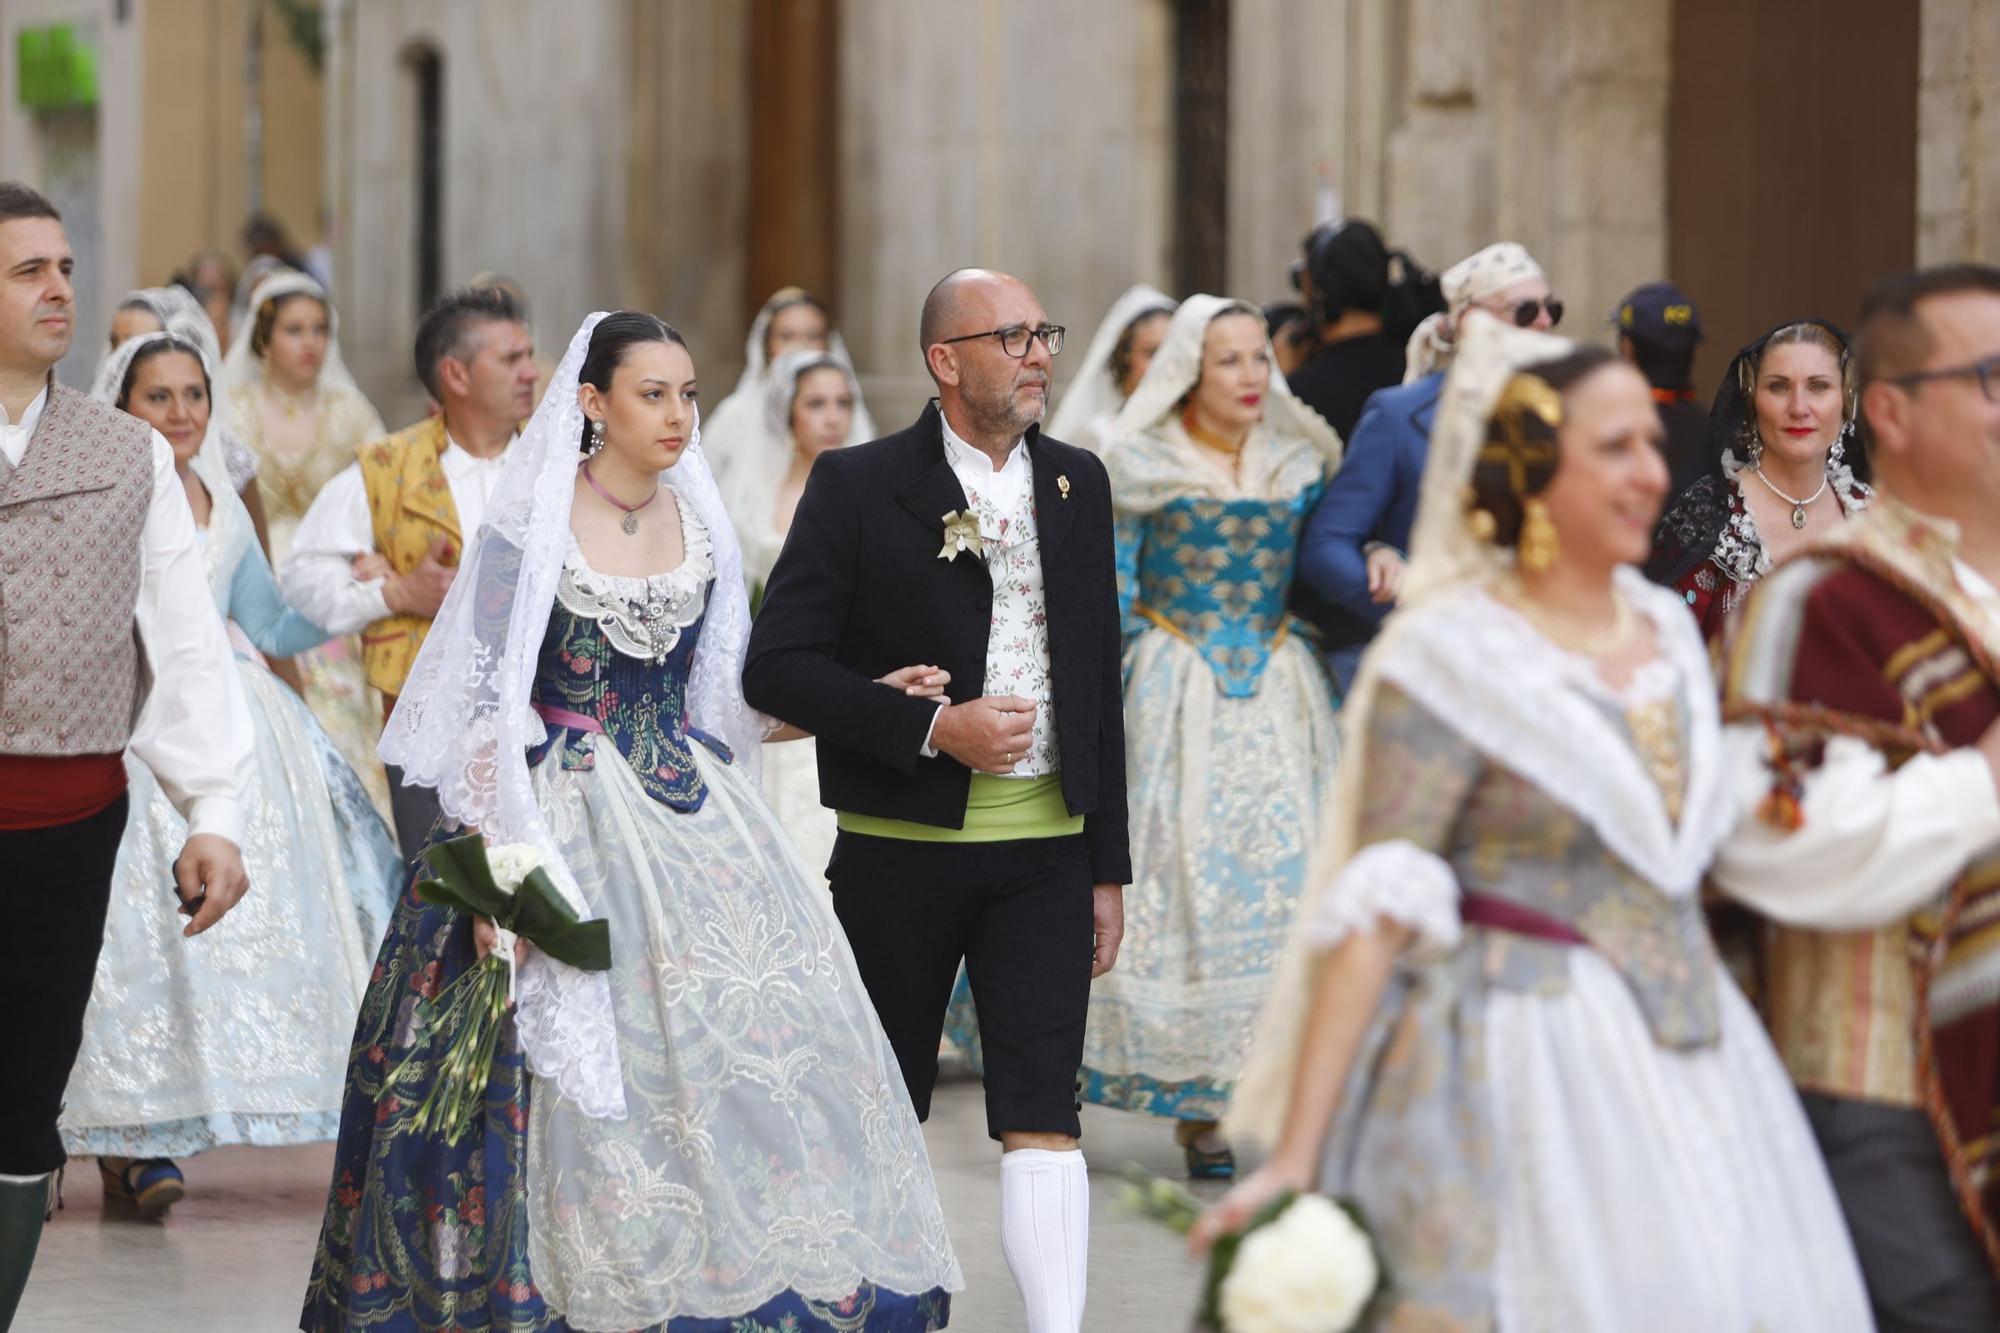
{"x": 1229, "y": 715}
{"x": 713, "y": 1136}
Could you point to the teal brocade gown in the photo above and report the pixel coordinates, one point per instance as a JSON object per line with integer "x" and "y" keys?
{"x": 1230, "y": 746}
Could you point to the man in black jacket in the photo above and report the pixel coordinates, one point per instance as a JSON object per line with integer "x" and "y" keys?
{"x": 990, "y": 830}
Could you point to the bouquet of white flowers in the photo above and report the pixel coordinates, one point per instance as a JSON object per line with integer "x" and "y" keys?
{"x": 1304, "y": 1264}
{"x": 507, "y": 885}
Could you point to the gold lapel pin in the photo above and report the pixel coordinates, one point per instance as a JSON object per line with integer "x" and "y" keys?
{"x": 1062, "y": 487}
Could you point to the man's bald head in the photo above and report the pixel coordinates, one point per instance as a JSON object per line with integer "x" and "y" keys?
{"x": 960, "y": 302}
{"x": 980, "y": 387}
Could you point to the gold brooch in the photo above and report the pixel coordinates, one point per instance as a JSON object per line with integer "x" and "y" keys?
{"x": 1062, "y": 487}
{"x": 961, "y": 533}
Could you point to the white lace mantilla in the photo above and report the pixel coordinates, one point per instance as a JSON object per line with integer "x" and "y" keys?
{"x": 642, "y": 616}
{"x": 1537, "y": 719}
{"x": 1740, "y": 552}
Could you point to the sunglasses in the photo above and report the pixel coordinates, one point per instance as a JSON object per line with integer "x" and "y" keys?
{"x": 1524, "y": 312}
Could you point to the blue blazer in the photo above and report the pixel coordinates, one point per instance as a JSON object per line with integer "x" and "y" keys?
{"x": 1372, "y": 497}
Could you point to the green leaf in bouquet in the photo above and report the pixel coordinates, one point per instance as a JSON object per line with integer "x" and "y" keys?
{"x": 540, "y": 914}
{"x": 461, "y": 878}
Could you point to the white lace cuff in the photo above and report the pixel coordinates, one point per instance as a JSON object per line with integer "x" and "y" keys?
{"x": 1395, "y": 881}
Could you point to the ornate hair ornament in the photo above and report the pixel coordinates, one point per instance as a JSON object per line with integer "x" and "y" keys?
{"x": 1516, "y": 447}
{"x": 1525, "y": 396}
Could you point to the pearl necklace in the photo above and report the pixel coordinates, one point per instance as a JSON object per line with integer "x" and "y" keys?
{"x": 1798, "y": 506}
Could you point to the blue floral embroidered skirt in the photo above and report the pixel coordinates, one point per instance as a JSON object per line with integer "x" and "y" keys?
{"x": 422, "y": 1234}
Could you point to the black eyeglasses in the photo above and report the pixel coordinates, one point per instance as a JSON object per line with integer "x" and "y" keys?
{"x": 1524, "y": 312}
{"x": 1014, "y": 339}
{"x": 1987, "y": 372}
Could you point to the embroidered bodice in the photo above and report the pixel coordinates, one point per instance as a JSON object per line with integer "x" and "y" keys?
{"x": 1502, "y": 766}
{"x": 616, "y": 663}
{"x": 1206, "y": 561}
{"x": 1216, "y": 572}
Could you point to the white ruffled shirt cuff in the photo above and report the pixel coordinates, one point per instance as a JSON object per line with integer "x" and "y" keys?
{"x": 1389, "y": 881}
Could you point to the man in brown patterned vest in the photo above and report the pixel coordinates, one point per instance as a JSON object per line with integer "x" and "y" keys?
{"x": 1863, "y": 686}
{"x": 108, "y": 638}
{"x": 413, "y": 500}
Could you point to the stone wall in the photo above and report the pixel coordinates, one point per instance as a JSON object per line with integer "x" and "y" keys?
{"x": 1539, "y": 121}
{"x": 1034, "y": 138}
{"x": 1958, "y": 132}
{"x": 535, "y": 129}
{"x": 688, "y": 191}
{"x": 1291, "y": 134}
{"x": 195, "y": 172}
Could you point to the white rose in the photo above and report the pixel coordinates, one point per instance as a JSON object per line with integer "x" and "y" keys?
{"x": 511, "y": 863}
{"x": 1310, "y": 1271}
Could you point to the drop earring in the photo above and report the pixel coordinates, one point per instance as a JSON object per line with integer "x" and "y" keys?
{"x": 1538, "y": 543}
{"x": 596, "y": 439}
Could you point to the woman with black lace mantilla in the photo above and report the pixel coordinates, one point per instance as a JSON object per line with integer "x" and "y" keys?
{"x": 1773, "y": 474}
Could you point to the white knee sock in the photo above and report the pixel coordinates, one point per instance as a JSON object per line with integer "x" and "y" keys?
{"x": 1045, "y": 1234}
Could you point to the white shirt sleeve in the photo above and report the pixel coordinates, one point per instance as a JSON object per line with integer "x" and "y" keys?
{"x": 1875, "y": 846}
{"x": 317, "y": 578}
{"x": 930, "y": 751}
{"x": 194, "y": 732}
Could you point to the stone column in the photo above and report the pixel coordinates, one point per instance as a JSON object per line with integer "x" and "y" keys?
{"x": 1292, "y": 65}
{"x": 1538, "y": 121}
{"x": 535, "y": 116}
{"x": 1958, "y": 132}
{"x": 687, "y": 161}
{"x": 1033, "y": 138}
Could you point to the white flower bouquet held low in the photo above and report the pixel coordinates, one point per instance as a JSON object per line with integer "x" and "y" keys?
{"x": 1304, "y": 1264}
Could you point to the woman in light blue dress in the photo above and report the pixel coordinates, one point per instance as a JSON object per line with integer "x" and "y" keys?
{"x": 239, "y": 1036}
{"x": 1229, "y": 716}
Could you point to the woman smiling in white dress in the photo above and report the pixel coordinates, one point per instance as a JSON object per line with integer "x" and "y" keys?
{"x": 1503, "y": 1027}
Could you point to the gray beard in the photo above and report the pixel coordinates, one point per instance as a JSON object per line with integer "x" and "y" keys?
{"x": 1001, "y": 417}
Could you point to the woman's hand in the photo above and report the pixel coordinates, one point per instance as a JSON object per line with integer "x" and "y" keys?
{"x": 1233, "y": 1211}
{"x": 484, "y": 938}
{"x": 919, "y": 682}
{"x": 1385, "y": 574}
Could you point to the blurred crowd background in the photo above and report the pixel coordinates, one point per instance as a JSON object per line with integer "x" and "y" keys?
{"x": 692, "y": 156}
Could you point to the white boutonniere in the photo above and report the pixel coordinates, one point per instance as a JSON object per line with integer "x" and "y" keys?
{"x": 961, "y": 533}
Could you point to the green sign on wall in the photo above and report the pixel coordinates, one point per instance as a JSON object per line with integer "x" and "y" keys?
{"x": 55, "y": 67}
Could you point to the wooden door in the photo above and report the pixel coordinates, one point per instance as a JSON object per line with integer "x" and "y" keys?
{"x": 1792, "y": 161}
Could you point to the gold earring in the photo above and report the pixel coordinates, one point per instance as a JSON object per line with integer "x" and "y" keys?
{"x": 1538, "y": 545}
{"x": 1483, "y": 525}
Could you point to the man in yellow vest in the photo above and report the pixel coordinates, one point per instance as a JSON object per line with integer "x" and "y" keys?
{"x": 414, "y": 500}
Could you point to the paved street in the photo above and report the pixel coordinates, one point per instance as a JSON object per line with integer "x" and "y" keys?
{"x": 234, "y": 1254}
